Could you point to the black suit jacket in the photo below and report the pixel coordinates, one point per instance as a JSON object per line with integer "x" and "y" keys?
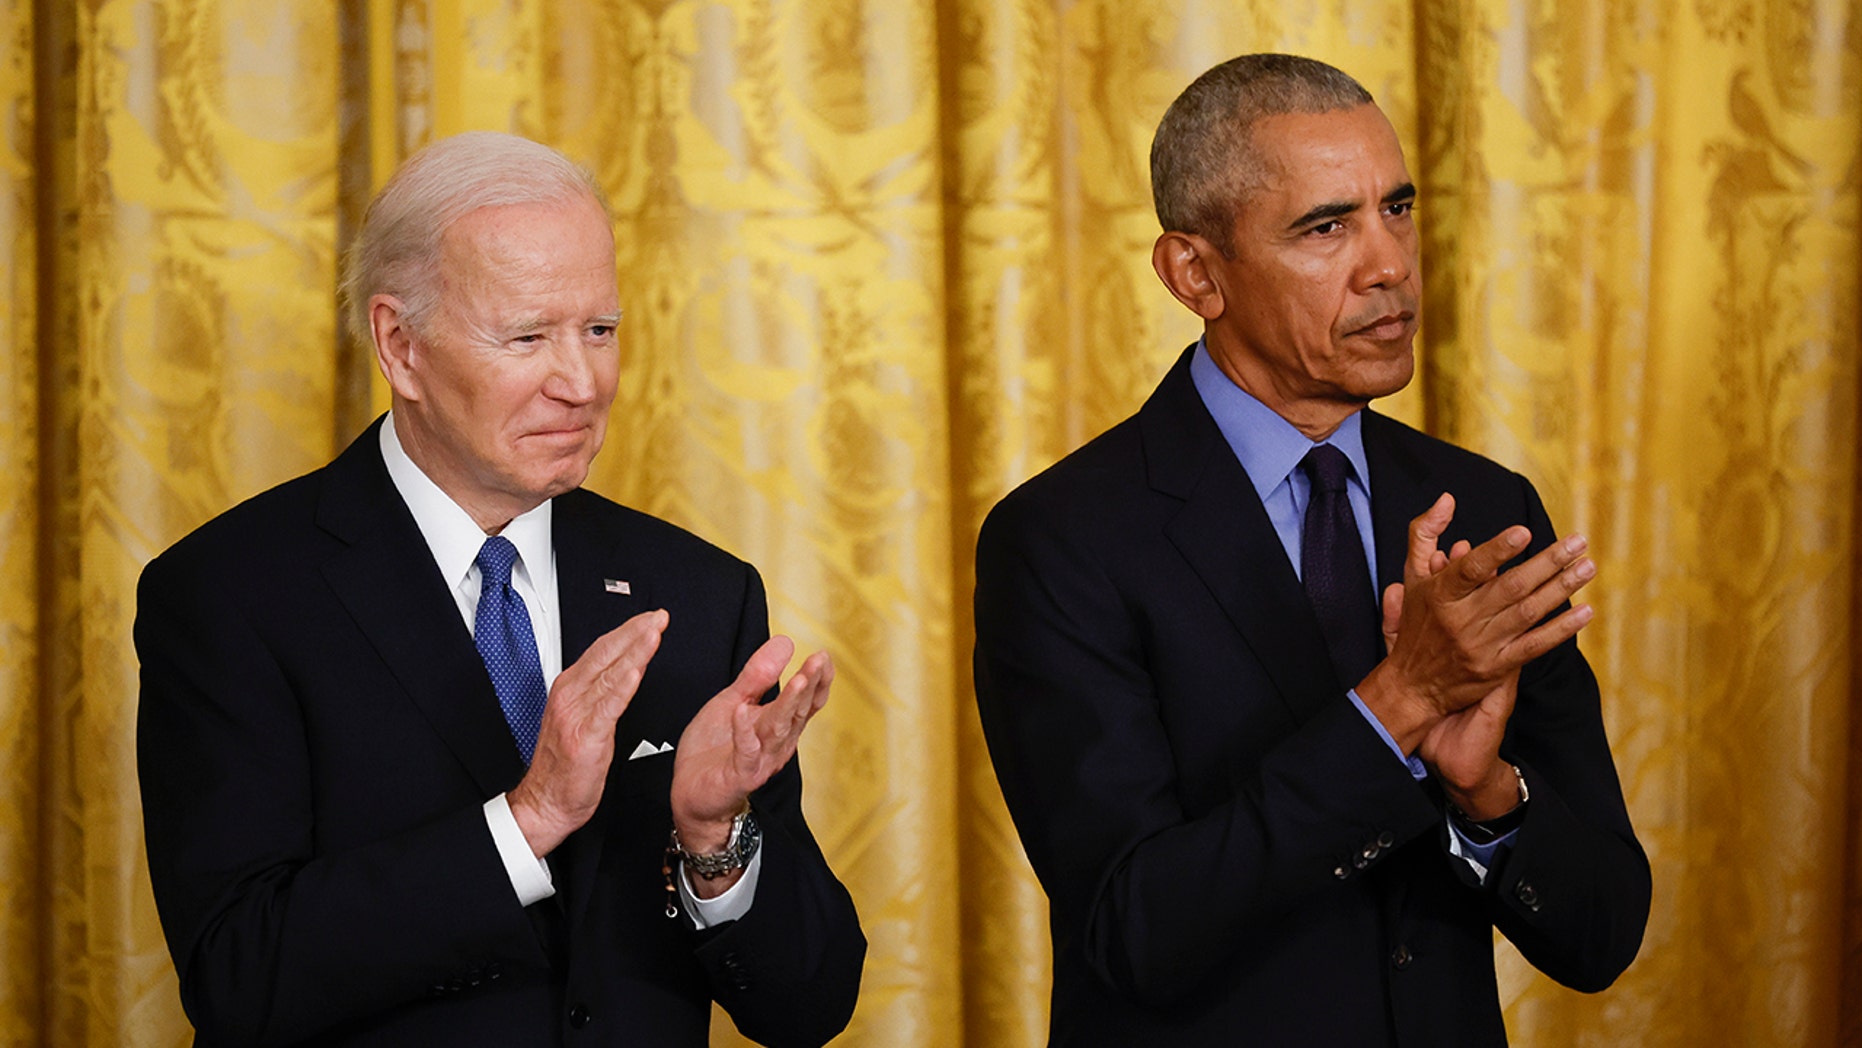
{"x": 1232, "y": 854}
{"x": 316, "y": 738}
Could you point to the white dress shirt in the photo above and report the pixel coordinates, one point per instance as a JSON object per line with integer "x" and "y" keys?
{"x": 454, "y": 540}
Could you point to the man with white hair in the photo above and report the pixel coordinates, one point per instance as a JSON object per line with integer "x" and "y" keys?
{"x": 437, "y": 747}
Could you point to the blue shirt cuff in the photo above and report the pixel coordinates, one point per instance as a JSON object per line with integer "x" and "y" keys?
{"x": 1482, "y": 853}
{"x": 1413, "y": 763}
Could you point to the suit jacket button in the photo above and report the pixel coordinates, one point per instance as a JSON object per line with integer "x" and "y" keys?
{"x": 1341, "y": 871}
{"x": 1400, "y": 957}
{"x": 578, "y": 1015}
{"x": 1527, "y": 895}
{"x": 1386, "y": 839}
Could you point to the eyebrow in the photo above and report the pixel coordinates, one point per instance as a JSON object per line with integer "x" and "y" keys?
{"x": 1340, "y": 208}
{"x": 532, "y": 324}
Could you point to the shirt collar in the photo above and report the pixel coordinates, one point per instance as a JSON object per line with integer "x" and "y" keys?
{"x": 451, "y": 534}
{"x": 1268, "y": 446}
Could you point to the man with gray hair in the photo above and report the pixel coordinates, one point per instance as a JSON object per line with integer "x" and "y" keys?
{"x": 1267, "y": 810}
{"x": 437, "y": 747}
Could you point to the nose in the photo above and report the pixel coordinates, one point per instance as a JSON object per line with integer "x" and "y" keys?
{"x": 572, "y": 373}
{"x": 1389, "y": 257}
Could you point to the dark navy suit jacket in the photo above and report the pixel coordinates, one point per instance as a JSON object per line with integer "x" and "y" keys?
{"x": 317, "y": 735}
{"x": 1231, "y": 853}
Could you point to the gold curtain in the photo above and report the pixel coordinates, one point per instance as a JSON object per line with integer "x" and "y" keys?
{"x": 884, "y": 259}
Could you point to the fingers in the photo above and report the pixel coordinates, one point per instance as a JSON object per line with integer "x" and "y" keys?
{"x": 763, "y": 669}
{"x": 783, "y": 720}
{"x": 764, "y": 737}
{"x": 1425, "y": 532}
{"x": 642, "y": 632}
{"x": 1543, "y": 638}
{"x": 1471, "y": 570}
{"x": 611, "y": 668}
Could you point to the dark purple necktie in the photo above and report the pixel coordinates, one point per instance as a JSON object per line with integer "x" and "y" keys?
{"x": 1332, "y": 566}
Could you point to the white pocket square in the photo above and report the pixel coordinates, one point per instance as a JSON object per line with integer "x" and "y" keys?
{"x": 647, "y": 749}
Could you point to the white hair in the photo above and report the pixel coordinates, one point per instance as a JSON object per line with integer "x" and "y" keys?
{"x": 397, "y": 250}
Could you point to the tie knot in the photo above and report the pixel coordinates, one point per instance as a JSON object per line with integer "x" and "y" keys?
{"x": 495, "y": 558}
{"x": 1326, "y": 467}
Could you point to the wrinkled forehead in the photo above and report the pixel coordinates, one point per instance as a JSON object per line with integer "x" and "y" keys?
{"x": 528, "y": 236}
{"x": 1321, "y": 154}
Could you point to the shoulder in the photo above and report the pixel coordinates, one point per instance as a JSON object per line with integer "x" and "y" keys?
{"x": 1488, "y": 495}
{"x": 1437, "y": 455}
{"x": 597, "y": 517}
{"x": 1077, "y": 492}
{"x": 275, "y": 526}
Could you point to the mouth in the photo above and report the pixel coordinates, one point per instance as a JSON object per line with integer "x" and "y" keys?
{"x": 560, "y": 433}
{"x": 1388, "y": 327}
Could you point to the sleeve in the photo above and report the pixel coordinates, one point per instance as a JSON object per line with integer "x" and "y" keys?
{"x": 1572, "y": 893}
{"x": 787, "y": 971}
{"x": 273, "y": 940}
{"x": 1156, "y": 898}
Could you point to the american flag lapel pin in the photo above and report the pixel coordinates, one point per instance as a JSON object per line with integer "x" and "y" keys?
{"x": 617, "y": 586}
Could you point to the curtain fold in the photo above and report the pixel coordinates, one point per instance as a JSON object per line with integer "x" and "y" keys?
{"x": 21, "y": 898}
{"x": 882, "y": 261}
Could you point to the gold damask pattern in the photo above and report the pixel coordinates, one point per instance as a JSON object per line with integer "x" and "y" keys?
{"x": 21, "y": 900}
{"x": 882, "y": 261}
{"x": 204, "y": 167}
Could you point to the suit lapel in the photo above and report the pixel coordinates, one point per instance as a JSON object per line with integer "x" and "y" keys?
{"x": 391, "y": 587}
{"x": 587, "y": 562}
{"x": 1223, "y": 532}
{"x": 596, "y": 587}
{"x": 1400, "y": 492}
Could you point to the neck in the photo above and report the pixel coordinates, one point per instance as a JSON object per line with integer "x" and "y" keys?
{"x": 491, "y": 513}
{"x": 1315, "y": 417}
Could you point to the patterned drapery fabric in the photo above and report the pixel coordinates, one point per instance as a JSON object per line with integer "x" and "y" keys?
{"x": 881, "y": 260}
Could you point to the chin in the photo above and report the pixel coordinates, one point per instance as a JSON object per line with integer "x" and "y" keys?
{"x": 1385, "y": 379}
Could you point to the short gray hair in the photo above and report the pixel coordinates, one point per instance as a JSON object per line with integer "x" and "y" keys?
{"x": 1202, "y": 163}
{"x": 397, "y": 250}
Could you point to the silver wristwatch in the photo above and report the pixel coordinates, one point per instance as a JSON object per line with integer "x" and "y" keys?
{"x": 745, "y": 836}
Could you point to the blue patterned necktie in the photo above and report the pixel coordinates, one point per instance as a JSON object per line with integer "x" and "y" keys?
{"x": 507, "y": 644}
{"x": 1334, "y": 571}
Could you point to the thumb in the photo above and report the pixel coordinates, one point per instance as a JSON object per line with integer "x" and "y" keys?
{"x": 1393, "y": 614}
{"x": 1424, "y": 534}
{"x": 763, "y": 669}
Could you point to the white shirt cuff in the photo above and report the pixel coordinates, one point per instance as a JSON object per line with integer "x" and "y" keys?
{"x": 530, "y": 876}
{"x": 734, "y": 903}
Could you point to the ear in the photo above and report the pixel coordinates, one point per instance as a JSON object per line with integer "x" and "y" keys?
{"x": 396, "y": 349}
{"x": 1183, "y": 262}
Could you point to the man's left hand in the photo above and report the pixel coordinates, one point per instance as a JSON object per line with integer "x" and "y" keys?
{"x": 1463, "y": 749}
{"x": 736, "y": 743}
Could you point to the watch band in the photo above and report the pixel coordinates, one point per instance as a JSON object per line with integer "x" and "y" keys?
{"x": 746, "y": 835}
{"x": 1490, "y": 830}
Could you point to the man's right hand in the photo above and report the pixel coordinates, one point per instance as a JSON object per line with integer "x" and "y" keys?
{"x": 575, "y": 745}
{"x": 1465, "y": 626}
